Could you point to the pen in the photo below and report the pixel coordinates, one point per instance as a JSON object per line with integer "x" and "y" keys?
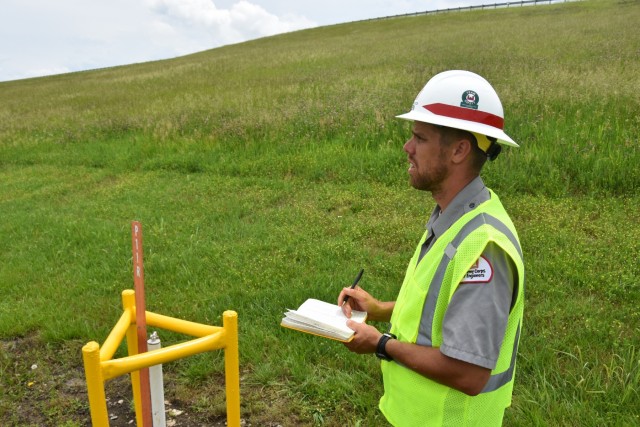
{"x": 355, "y": 282}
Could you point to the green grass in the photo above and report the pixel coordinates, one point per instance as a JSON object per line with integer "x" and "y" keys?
{"x": 271, "y": 171}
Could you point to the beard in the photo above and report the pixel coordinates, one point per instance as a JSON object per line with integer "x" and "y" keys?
{"x": 432, "y": 179}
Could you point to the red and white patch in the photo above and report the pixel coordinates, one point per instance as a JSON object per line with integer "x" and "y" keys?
{"x": 480, "y": 272}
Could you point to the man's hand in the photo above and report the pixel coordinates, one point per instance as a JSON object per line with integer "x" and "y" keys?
{"x": 365, "y": 339}
{"x": 361, "y": 300}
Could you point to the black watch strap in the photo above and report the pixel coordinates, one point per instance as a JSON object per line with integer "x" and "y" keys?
{"x": 381, "y": 351}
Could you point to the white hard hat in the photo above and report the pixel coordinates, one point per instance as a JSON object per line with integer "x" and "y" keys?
{"x": 461, "y": 100}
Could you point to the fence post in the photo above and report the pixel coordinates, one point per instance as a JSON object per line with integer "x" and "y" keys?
{"x": 232, "y": 367}
{"x": 95, "y": 385}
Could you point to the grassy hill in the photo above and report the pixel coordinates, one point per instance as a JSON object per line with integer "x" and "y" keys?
{"x": 271, "y": 171}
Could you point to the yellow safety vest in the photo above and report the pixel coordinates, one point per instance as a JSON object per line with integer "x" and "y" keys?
{"x": 411, "y": 399}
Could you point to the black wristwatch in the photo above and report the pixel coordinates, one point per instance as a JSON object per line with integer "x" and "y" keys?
{"x": 381, "y": 352}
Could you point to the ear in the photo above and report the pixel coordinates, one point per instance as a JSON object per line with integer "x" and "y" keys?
{"x": 461, "y": 150}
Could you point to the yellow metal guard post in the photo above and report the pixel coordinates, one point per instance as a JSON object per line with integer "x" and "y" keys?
{"x": 100, "y": 367}
{"x": 129, "y": 305}
{"x": 232, "y": 368}
{"x": 95, "y": 384}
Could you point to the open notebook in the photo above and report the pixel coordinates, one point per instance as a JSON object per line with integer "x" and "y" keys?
{"x": 323, "y": 319}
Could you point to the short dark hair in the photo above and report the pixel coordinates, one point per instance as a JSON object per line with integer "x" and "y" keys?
{"x": 450, "y": 135}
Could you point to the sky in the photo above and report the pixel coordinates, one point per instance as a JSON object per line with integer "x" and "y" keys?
{"x": 44, "y": 37}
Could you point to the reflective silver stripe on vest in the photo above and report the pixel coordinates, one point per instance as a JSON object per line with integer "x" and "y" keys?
{"x": 429, "y": 308}
{"x": 498, "y": 380}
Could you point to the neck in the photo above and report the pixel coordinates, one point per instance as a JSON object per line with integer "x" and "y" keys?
{"x": 449, "y": 190}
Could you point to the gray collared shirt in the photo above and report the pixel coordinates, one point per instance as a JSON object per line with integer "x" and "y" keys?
{"x": 476, "y": 319}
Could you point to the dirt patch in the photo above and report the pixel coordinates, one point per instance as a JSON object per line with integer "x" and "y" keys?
{"x": 44, "y": 385}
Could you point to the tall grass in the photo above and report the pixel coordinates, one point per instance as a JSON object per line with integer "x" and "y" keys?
{"x": 271, "y": 171}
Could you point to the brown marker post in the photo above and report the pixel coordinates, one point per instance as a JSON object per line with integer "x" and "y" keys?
{"x": 141, "y": 320}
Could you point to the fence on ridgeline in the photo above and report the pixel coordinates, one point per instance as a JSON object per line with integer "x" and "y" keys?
{"x": 476, "y": 7}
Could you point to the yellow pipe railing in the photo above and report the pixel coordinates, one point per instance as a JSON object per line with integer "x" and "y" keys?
{"x": 100, "y": 366}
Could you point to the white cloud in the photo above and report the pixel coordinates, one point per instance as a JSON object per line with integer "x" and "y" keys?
{"x": 39, "y": 37}
{"x": 242, "y": 21}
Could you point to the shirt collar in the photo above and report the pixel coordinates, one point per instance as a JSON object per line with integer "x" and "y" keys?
{"x": 465, "y": 201}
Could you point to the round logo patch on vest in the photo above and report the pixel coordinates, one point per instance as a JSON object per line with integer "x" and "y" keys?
{"x": 480, "y": 272}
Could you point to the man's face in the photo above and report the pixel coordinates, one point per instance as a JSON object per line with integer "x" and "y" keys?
{"x": 427, "y": 168}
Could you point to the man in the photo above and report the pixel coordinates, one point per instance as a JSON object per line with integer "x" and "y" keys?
{"x": 449, "y": 356}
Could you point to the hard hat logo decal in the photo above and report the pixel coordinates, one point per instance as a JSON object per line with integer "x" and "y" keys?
{"x": 470, "y": 99}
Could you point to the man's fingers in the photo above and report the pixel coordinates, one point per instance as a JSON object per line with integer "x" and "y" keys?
{"x": 346, "y": 309}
